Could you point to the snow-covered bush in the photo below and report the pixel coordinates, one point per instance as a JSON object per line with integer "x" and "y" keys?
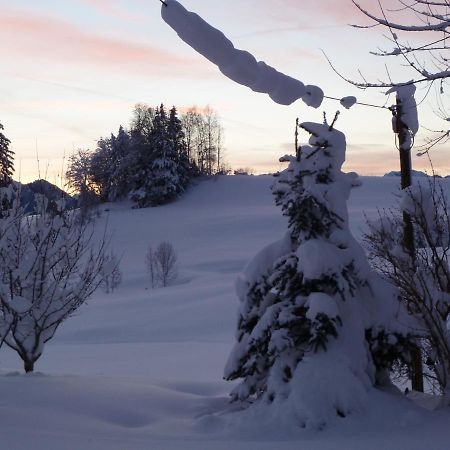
{"x": 7, "y": 194}
{"x": 310, "y": 301}
{"x": 161, "y": 264}
{"x": 48, "y": 269}
{"x": 423, "y": 278}
{"x": 244, "y": 171}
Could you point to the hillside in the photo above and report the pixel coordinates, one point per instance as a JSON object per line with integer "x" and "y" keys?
{"x": 43, "y": 187}
{"x": 142, "y": 369}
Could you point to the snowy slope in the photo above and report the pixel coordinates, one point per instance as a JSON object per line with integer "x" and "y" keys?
{"x": 142, "y": 368}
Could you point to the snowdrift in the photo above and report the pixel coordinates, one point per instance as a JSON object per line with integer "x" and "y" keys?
{"x": 142, "y": 369}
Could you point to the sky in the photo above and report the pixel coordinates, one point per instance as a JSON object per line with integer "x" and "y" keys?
{"x": 72, "y": 72}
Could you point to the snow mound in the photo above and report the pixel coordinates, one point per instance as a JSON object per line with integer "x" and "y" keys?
{"x": 145, "y": 366}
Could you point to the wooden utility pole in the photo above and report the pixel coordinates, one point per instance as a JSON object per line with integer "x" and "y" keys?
{"x": 405, "y": 174}
{"x": 404, "y": 140}
{"x": 297, "y": 148}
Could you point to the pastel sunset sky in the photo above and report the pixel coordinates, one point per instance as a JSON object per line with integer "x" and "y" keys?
{"x": 72, "y": 71}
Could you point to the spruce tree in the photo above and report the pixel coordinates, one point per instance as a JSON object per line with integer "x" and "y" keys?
{"x": 309, "y": 301}
{"x": 6, "y": 160}
{"x": 7, "y": 190}
{"x": 159, "y": 176}
{"x": 120, "y": 165}
{"x": 165, "y": 181}
{"x": 177, "y": 142}
{"x": 139, "y": 161}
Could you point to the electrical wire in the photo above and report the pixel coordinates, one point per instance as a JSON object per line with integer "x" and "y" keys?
{"x": 358, "y": 103}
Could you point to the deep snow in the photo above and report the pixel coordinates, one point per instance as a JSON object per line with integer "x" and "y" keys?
{"x": 142, "y": 369}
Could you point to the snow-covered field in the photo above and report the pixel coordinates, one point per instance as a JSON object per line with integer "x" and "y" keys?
{"x": 141, "y": 369}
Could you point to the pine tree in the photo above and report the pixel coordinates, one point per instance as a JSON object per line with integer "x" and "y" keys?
{"x": 164, "y": 181}
{"x": 309, "y": 300}
{"x": 149, "y": 163}
{"x": 6, "y": 160}
{"x": 6, "y": 170}
{"x": 177, "y": 142}
{"x": 110, "y": 166}
{"x": 159, "y": 176}
{"x": 120, "y": 165}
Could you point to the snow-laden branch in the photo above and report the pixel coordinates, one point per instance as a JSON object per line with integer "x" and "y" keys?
{"x": 434, "y": 67}
{"x": 238, "y": 65}
{"x": 440, "y": 26}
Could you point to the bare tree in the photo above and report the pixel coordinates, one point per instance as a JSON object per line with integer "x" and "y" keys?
{"x": 150, "y": 262}
{"x": 142, "y": 121}
{"x": 111, "y": 273}
{"x": 417, "y": 33}
{"x": 417, "y": 41}
{"x": 48, "y": 268}
{"x": 80, "y": 181}
{"x": 424, "y": 279}
{"x": 428, "y": 57}
{"x": 166, "y": 260}
{"x": 162, "y": 264}
{"x": 221, "y": 167}
{"x": 211, "y": 130}
{"x": 204, "y": 139}
{"x": 189, "y": 121}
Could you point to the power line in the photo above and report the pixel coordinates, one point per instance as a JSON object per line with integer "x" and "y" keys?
{"x": 358, "y": 103}
{"x": 325, "y": 96}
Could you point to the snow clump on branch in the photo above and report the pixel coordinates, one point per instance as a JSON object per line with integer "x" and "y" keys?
{"x": 238, "y": 65}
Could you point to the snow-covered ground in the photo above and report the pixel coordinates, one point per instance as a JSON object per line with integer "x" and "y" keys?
{"x": 141, "y": 369}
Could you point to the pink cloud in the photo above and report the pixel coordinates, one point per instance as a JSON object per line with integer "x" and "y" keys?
{"x": 316, "y": 13}
{"x": 33, "y": 36}
{"x": 111, "y": 8}
{"x": 200, "y": 109}
{"x": 342, "y": 11}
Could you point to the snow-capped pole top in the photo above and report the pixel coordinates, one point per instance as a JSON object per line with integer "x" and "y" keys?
{"x": 238, "y": 65}
{"x": 409, "y": 116}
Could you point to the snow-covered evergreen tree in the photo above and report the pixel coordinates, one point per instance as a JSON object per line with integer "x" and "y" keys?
{"x": 111, "y": 166}
{"x": 176, "y": 137}
{"x": 121, "y": 159}
{"x": 6, "y": 160}
{"x": 310, "y": 301}
{"x": 160, "y": 179}
{"x": 6, "y": 172}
